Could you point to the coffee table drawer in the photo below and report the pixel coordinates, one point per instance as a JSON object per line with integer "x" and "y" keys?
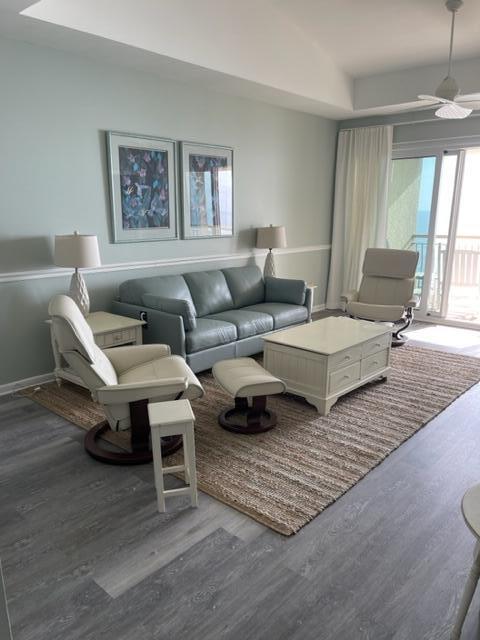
{"x": 375, "y": 362}
{"x": 343, "y": 378}
{"x": 377, "y": 344}
{"x": 344, "y": 358}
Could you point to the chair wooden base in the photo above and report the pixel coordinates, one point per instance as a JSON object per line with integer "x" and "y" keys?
{"x": 245, "y": 419}
{"x": 140, "y": 440}
{"x": 399, "y": 341}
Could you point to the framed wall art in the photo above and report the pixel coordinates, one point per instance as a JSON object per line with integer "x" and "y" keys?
{"x": 142, "y": 185}
{"x": 207, "y": 191}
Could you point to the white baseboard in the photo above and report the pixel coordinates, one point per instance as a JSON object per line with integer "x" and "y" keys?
{"x": 11, "y": 387}
{"x": 318, "y": 307}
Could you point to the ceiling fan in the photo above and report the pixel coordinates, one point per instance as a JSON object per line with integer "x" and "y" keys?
{"x": 453, "y": 105}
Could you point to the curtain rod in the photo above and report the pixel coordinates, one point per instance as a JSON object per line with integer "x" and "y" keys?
{"x": 400, "y": 123}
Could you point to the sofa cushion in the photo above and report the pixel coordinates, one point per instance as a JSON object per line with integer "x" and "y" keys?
{"x": 132, "y": 291}
{"x": 283, "y": 314}
{"x": 176, "y": 306}
{"x": 209, "y": 291}
{"x": 248, "y": 323}
{"x": 209, "y": 333}
{"x": 246, "y": 285}
{"x": 285, "y": 290}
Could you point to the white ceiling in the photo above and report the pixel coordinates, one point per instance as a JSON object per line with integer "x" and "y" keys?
{"x": 341, "y": 59}
{"x": 366, "y": 37}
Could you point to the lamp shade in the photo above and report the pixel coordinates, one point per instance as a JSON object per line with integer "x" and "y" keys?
{"x": 271, "y": 237}
{"x": 77, "y": 251}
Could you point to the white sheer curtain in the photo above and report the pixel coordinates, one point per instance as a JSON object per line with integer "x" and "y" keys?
{"x": 364, "y": 158}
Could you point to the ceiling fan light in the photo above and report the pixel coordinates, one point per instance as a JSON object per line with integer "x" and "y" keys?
{"x": 452, "y": 112}
{"x": 447, "y": 89}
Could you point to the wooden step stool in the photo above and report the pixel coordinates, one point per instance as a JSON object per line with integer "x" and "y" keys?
{"x": 171, "y": 419}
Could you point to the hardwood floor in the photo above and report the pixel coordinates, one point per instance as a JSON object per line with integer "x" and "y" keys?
{"x": 86, "y": 556}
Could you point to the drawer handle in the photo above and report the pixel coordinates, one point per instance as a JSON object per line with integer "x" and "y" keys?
{"x": 375, "y": 362}
{"x": 346, "y": 378}
{"x": 347, "y": 358}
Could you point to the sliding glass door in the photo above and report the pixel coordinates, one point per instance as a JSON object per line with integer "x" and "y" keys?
{"x": 434, "y": 208}
{"x": 462, "y": 297}
{"x": 440, "y": 238}
{"x": 410, "y": 206}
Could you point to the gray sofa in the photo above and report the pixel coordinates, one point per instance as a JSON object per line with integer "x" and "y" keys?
{"x": 207, "y": 316}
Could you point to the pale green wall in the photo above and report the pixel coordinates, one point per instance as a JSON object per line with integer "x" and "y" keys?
{"x": 54, "y": 110}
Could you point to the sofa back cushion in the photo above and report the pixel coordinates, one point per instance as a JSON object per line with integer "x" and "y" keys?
{"x": 246, "y": 285}
{"x": 209, "y": 291}
{"x": 285, "y": 290}
{"x": 132, "y": 291}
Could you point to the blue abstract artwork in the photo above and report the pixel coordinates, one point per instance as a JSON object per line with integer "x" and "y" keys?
{"x": 208, "y": 210}
{"x": 144, "y": 187}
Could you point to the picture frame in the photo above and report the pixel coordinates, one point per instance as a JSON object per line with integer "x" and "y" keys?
{"x": 207, "y": 191}
{"x": 143, "y": 193}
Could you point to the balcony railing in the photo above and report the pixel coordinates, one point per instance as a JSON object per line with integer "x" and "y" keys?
{"x": 465, "y": 267}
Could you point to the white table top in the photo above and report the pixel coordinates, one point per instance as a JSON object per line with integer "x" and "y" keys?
{"x": 171, "y": 412}
{"x": 329, "y": 335}
{"x": 471, "y": 509}
{"x": 102, "y": 321}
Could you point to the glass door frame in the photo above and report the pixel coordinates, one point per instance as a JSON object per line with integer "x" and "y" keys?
{"x": 419, "y": 152}
{"x": 452, "y": 233}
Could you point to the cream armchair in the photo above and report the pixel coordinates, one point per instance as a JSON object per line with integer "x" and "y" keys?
{"x": 123, "y": 380}
{"x": 386, "y": 290}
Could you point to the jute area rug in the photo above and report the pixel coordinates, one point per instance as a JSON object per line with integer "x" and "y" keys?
{"x": 287, "y": 476}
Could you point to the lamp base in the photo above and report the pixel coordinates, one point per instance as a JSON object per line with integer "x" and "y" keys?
{"x": 79, "y": 293}
{"x": 269, "y": 268}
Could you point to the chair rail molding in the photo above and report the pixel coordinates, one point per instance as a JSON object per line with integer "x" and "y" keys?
{"x": 37, "y": 274}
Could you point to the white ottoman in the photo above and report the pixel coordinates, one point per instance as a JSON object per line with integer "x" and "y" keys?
{"x": 244, "y": 378}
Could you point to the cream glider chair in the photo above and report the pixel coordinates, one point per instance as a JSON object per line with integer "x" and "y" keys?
{"x": 123, "y": 380}
{"x": 386, "y": 290}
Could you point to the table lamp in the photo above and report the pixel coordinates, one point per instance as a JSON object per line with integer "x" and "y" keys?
{"x": 80, "y": 252}
{"x": 270, "y": 238}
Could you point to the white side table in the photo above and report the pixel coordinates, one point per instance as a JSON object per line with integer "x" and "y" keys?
{"x": 171, "y": 419}
{"x": 312, "y": 288}
{"x": 109, "y": 330}
{"x": 471, "y": 514}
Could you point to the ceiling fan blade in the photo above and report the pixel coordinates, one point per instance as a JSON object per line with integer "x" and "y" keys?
{"x": 468, "y": 97}
{"x": 452, "y": 112}
{"x": 474, "y": 105}
{"x": 432, "y": 99}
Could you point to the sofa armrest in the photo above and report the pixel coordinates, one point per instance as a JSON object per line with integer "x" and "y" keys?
{"x": 175, "y": 306}
{"x": 162, "y": 328}
{"x": 125, "y": 393}
{"x": 285, "y": 290}
{"x": 124, "y": 358}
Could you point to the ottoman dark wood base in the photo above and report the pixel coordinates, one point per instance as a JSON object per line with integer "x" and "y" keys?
{"x": 244, "y": 378}
{"x": 245, "y": 419}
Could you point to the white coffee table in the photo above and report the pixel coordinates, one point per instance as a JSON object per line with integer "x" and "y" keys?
{"x": 325, "y": 359}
